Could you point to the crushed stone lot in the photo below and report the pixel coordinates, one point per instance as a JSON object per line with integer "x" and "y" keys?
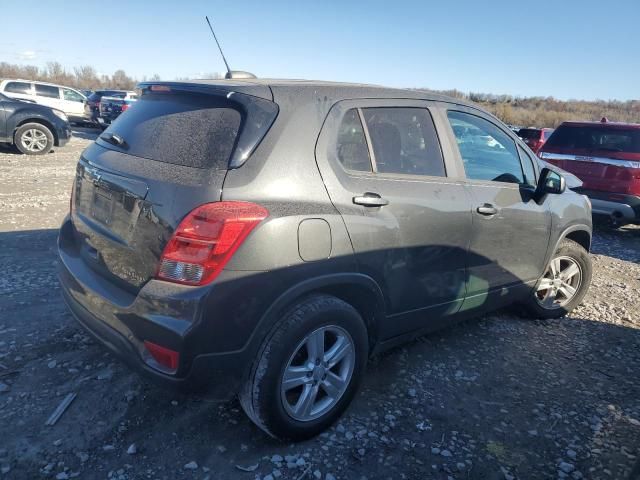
{"x": 495, "y": 398}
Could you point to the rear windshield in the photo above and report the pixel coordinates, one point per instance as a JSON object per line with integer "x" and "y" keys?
{"x": 194, "y": 130}
{"x": 596, "y": 138}
{"x": 529, "y": 133}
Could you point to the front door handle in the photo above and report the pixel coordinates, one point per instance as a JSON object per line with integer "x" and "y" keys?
{"x": 487, "y": 209}
{"x": 370, "y": 199}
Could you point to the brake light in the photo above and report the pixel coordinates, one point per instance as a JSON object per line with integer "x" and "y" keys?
{"x": 124, "y": 107}
{"x": 206, "y": 239}
{"x": 165, "y": 357}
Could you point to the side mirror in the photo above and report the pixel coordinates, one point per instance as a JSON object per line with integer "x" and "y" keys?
{"x": 550, "y": 182}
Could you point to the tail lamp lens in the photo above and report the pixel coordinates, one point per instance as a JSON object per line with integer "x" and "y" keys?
{"x": 206, "y": 239}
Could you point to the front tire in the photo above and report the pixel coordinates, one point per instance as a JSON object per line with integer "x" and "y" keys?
{"x": 308, "y": 370}
{"x": 34, "y": 139}
{"x": 564, "y": 283}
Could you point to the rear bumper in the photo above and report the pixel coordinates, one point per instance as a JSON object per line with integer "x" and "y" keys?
{"x": 622, "y": 208}
{"x": 124, "y": 324}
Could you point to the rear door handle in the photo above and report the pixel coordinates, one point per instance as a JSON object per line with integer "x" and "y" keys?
{"x": 370, "y": 199}
{"x": 487, "y": 209}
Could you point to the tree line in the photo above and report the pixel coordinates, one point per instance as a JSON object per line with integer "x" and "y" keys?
{"x": 549, "y": 111}
{"x": 84, "y": 77}
{"x": 523, "y": 111}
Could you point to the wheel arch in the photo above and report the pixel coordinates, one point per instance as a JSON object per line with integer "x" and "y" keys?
{"x": 41, "y": 121}
{"x": 358, "y": 290}
{"x": 581, "y": 234}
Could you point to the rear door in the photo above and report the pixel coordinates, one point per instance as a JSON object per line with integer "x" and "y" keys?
{"x": 406, "y": 214}
{"x": 510, "y": 230}
{"x": 48, "y": 95}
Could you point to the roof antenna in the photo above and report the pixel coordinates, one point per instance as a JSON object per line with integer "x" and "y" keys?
{"x": 230, "y": 73}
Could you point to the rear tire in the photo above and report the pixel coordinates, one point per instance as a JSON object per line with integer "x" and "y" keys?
{"x": 278, "y": 407}
{"x": 34, "y": 139}
{"x": 563, "y": 285}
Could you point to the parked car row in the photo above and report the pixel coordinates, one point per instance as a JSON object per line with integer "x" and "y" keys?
{"x": 80, "y": 106}
{"x": 606, "y": 157}
{"x": 34, "y": 129}
{"x": 66, "y": 99}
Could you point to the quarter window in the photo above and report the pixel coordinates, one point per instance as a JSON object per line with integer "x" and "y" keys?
{"x": 527, "y": 164}
{"x": 404, "y": 141}
{"x": 487, "y": 152}
{"x": 352, "y": 148}
{"x": 47, "y": 91}
{"x": 18, "y": 87}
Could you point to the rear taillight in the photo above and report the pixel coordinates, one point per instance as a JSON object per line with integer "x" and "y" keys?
{"x": 206, "y": 239}
{"x": 125, "y": 107}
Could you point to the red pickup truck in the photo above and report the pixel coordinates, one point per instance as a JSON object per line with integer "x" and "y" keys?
{"x": 606, "y": 157}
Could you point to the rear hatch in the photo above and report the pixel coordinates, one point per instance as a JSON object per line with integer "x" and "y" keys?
{"x": 606, "y": 157}
{"x": 167, "y": 154}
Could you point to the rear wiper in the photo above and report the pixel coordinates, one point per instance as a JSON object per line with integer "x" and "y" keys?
{"x": 113, "y": 138}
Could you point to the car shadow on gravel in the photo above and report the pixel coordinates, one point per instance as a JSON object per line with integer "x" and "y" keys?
{"x": 86, "y": 133}
{"x": 622, "y": 243}
{"x": 489, "y": 398}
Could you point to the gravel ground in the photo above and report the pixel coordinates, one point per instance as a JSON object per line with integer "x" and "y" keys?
{"x": 495, "y": 398}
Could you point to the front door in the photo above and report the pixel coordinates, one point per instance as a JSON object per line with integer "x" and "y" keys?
{"x": 73, "y": 103}
{"x": 409, "y": 223}
{"x": 511, "y": 230}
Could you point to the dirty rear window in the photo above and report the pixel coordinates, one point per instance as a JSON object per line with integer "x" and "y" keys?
{"x": 193, "y": 130}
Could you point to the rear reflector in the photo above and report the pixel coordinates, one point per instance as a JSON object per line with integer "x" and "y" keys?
{"x": 206, "y": 239}
{"x": 165, "y": 357}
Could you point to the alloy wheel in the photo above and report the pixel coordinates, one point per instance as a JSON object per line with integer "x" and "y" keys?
{"x": 318, "y": 373}
{"x": 560, "y": 283}
{"x": 34, "y": 140}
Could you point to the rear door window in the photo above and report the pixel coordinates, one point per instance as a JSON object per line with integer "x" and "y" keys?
{"x": 404, "y": 141}
{"x": 18, "y": 87}
{"x": 487, "y": 152}
{"x": 189, "y": 129}
{"x": 47, "y": 91}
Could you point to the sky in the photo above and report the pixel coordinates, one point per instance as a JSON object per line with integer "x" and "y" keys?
{"x": 568, "y": 49}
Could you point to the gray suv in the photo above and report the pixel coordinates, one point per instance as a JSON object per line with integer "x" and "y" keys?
{"x": 263, "y": 238}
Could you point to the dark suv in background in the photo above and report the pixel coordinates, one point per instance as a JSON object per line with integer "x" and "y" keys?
{"x": 264, "y": 238}
{"x": 34, "y": 129}
{"x": 606, "y": 157}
